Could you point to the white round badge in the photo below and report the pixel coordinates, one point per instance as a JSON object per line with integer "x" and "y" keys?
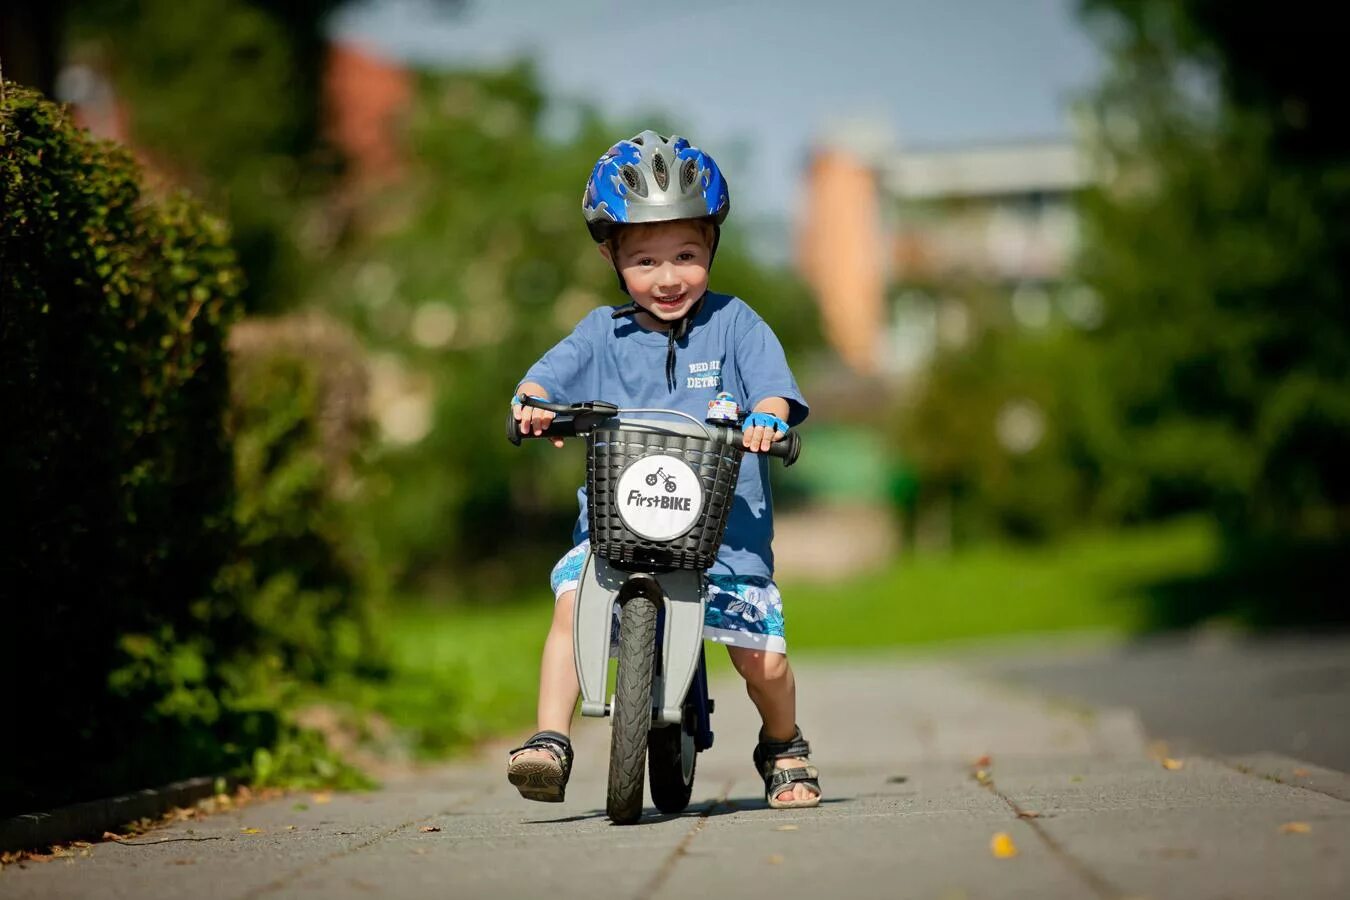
{"x": 659, "y": 497}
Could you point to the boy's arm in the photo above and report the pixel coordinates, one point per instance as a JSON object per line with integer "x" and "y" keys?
{"x": 759, "y": 437}
{"x": 531, "y": 419}
{"x": 767, "y": 380}
{"x": 559, "y": 372}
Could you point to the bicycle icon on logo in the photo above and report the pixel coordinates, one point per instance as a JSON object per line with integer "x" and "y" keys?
{"x": 661, "y": 473}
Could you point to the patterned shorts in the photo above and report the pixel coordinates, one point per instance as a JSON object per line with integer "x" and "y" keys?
{"x": 743, "y": 610}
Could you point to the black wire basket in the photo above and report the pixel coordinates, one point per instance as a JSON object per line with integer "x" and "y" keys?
{"x": 717, "y": 465}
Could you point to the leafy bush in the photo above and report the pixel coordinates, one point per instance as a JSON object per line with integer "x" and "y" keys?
{"x": 156, "y": 620}
{"x": 118, "y": 482}
{"x": 298, "y": 417}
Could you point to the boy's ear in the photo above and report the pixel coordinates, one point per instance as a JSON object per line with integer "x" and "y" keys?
{"x": 606, "y": 252}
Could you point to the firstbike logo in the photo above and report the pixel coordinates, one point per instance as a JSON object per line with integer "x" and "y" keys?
{"x": 659, "y": 497}
{"x": 637, "y": 498}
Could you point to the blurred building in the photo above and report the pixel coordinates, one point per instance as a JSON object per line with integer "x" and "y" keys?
{"x": 364, "y": 96}
{"x": 897, "y": 246}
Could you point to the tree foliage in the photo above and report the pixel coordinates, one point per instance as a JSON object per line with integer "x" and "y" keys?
{"x": 1220, "y": 242}
{"x": 225, "y": 96}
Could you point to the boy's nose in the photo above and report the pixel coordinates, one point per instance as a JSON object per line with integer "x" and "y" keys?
{"x": 666, "y": 276}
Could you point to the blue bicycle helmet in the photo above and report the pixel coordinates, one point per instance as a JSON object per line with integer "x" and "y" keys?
{"x": 652, "y": 178}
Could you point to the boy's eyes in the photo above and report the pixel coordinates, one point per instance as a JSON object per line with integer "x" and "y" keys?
{"x": 686, "y": 256}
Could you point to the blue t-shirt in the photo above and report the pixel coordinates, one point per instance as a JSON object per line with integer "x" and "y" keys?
{"x": 728, "y": 347}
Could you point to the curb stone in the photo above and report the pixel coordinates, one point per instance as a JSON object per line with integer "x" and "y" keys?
{"x": 90, "y": 819}
{"x": 1292, "y": 772}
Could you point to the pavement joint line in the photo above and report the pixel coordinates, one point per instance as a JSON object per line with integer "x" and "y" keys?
{"x": 291, "y": 876}
{"x": 651, "y": 888}
{"x": 1251, "y": 772}
{"x": 1098, "y": 884}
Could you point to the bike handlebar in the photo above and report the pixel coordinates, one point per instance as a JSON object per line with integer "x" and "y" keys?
{"x": 578, "y": 419}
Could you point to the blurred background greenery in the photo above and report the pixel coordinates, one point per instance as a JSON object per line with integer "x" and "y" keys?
{"x": 259, "y": 514}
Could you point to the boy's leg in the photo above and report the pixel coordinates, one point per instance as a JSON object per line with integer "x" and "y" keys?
{"x": 558, "y": 687}
{"x": 773, "y": 690}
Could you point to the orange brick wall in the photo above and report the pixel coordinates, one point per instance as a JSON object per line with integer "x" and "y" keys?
{"x": 364, "y": 96}
{"x": 842, "y": 255}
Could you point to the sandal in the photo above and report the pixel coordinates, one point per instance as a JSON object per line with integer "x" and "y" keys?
{"x": 776, "y": 780}
{"x": 538, "y": 778}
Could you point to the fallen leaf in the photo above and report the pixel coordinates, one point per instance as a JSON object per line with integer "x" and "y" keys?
{"x": 786, "y": 828}
{"x": 1295, "y": 828}
{"x": 109, "y": 836}
{"x": 426, "y": 828}
{"x": 250, "y": 831}
{"x": 982, "y": 776}
{"x": 1076, "y": 778}
{"x": 1028, "y": 814}
{"x": 897, "y": 779}
{"x": 290, "y": 827}
{"x": 1002, "y": 846}
{"x": 1171, "y": 764}
{"x": 300, "y": 807}
{"x": 775, "y": 859}
{"x": 1301, "y": 773}
{"x": 984, "y": 762}
{"x": 322, "y": 798}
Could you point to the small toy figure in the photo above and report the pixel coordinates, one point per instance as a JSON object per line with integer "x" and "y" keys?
{"x": 723, "y": 408}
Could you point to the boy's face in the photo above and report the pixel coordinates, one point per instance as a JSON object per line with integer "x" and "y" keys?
{"x": 665, "y": 266}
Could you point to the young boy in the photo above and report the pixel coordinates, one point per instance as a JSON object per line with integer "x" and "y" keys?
{"x": 655, "y": 206}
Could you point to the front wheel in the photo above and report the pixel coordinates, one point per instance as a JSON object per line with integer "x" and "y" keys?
{"x": 632, "y": 711}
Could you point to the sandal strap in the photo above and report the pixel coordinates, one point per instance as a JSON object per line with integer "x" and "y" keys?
{"x": 553, "y": 742}
{"x": 782, "y": 778}
{"x": 767, "y": 751}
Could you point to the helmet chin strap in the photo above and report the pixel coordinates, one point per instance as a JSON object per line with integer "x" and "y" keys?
{"x": 678, "y": 329}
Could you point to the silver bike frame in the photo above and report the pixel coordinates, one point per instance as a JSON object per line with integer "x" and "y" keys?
{"x": 682, "y": 592}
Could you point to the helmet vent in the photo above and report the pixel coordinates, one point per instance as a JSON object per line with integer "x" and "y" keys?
{"x": 633, "y": 178}
{"x": 660, "y": 171}
{"x": 638, "y": 140}
{"x": 688, "y": 172}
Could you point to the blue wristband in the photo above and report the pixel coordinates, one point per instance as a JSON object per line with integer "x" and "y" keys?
{"x": 768, "y": 420}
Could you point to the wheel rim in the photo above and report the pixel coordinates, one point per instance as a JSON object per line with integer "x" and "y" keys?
{"x": 687, "y": 754}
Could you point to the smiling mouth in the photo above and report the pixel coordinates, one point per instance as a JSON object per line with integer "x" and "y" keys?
{"x": 669, "y": 302}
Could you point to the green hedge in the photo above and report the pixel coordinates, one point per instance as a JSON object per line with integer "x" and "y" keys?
{"x": 153, "y": 615}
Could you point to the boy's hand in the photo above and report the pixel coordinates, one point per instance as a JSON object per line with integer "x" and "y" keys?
{"x": 531, "y": 419}
{"x": 761, "y": 429}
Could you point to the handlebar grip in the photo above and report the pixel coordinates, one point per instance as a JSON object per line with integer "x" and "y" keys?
{"x": 558, "y": 428}
{"x": 788, "y": 449}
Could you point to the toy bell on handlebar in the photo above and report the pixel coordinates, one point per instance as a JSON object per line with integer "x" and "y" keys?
{"x": 723, "y": 410}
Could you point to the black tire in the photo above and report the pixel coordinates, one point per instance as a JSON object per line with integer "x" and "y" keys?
{"x": 651, "y": 479}
{"x": 632, "y": 710}
{"x": 670, "y": 485}
{"x": 671, "y": 760}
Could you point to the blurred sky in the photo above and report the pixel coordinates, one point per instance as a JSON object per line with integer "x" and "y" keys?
{"x": 756, "y": 81}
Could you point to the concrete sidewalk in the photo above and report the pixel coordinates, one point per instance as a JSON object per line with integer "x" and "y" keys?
{"x": 1089, "y": 812}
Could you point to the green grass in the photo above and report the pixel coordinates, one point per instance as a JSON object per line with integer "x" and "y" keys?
{"x": 463, "y": 674}
{"x": 1093, "y": 582}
